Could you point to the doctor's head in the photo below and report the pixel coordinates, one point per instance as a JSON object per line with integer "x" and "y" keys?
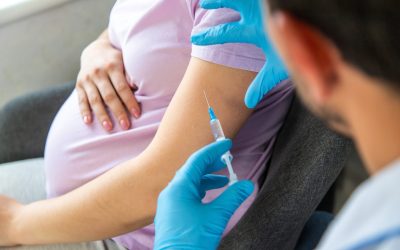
{"x": 343, "y": 55}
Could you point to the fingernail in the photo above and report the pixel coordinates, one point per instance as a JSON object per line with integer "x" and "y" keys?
{"x": 124, "y": 124}
{"x": 135, "y": 113}
{"x": 107, "y": 125}
{"x": 86, "y": 119}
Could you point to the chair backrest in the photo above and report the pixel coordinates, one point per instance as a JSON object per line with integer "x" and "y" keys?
{"x": 306, "y": 160}
{"x": 25, "y": 122}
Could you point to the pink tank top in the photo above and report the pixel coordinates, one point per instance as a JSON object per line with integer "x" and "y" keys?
{"x": 154, "y": 37}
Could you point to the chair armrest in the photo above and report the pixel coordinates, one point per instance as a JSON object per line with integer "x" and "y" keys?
{"x": 25, "y": 122}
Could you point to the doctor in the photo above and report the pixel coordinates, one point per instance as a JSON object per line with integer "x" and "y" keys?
{"x": 344, "y": 57}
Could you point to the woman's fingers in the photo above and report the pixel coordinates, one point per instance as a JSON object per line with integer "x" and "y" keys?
{"x": 97, "y": 92}
{"x": 84, "y": 104}
{"x": 124, "y": 91}
{"x": 102, "y": 84}
{"x": 97, "y": 105}
{"x": 112, "y": 100}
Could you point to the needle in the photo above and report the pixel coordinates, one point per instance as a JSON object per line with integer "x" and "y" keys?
{"x": 218, "y": 134}
{"x": 205, "y": 95}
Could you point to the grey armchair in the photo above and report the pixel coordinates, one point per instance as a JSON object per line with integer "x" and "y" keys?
{"x": 306, "y": 161}
{"x": 25, "y": 122}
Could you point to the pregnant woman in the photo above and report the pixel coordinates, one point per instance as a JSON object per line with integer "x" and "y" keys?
{"x": 104, "y": 173}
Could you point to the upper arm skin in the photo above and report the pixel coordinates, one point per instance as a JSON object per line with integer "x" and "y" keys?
{"x": 125, "y": 198}
{"x": 185, "y": 127}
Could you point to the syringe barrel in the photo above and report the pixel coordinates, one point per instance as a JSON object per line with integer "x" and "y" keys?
{"x": 227, "y": 158}
{"x": 216, "y": 129}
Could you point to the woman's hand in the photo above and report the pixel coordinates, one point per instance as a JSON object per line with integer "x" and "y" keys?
{"x": 9, "y": 209}
{"x": 101, "y": 82}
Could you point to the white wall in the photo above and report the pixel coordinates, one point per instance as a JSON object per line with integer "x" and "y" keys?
{"x": 44, "y": 49}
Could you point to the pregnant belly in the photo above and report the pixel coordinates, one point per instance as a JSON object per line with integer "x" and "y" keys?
{"x": 77, "y": 153}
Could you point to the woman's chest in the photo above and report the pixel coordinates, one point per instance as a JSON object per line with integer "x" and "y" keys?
{"x": 154, "y": 37}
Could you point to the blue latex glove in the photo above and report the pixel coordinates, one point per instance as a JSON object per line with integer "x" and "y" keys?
{"x": 249, "y": 29}
{"x": 183, "y": 221}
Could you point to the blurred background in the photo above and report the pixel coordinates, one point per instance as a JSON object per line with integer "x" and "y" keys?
{"x": 41, "y": 41}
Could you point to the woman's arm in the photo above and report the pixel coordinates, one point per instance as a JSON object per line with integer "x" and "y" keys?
{"x": 124, "y": 199}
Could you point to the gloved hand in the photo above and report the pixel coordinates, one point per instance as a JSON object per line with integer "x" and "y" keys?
{"x": 250, "y": 29}
{"x": 183, "y": 221}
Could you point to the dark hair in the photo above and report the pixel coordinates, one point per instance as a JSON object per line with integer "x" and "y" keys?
{"x": 367, "y": 32}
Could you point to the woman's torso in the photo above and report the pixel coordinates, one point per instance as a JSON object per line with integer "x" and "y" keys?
{"x": 154, "y": 37}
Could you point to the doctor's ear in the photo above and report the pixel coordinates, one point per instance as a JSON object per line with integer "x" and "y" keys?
{"x": 309, "y": 55}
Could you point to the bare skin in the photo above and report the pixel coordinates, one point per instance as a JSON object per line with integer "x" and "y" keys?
{"x": 124, "y": 199}
{"x": 361, "y": 106}
{"x": 102, "y": 83}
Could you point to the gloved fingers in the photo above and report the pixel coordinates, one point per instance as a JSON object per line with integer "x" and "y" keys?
{"x": 268, "y": 78}
{"x": 216, "y": 166}
{"x": 220, "y": 34}
{"x": 203, "y": 161}
{"x": 213, "y": 181}
{"x": 255, "y": 92}
{"x": 216, "y": 4}
{"x": 233, "y": 197}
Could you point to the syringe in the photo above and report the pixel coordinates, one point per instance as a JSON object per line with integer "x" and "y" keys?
{"x": 218, "y": 134}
